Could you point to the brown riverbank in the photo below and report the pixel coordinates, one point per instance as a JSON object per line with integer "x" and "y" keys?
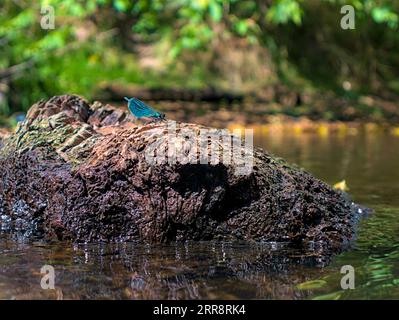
{"x": 280, "y": 125}
{"x": 265, "y": 119}
{"x": 266, "y": 105}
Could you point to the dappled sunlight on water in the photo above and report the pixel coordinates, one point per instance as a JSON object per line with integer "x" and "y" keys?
{"x": 369, "y": 164}
{"x": 367, "y": 161}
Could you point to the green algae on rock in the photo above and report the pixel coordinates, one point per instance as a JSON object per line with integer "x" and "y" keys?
{"x": 79, "y": 172}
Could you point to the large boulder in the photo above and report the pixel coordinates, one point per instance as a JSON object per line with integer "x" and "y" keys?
{"x": 82, "y": 172}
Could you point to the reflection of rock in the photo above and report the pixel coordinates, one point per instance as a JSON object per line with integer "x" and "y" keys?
{"x": 189, "y": 270}
{"x": 80, "y": 172}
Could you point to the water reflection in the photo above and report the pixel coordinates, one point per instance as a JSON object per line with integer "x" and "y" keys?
{"x": 132, "y": 271}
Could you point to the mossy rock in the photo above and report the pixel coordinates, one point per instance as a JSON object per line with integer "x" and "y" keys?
{"x": 78, "y": 171}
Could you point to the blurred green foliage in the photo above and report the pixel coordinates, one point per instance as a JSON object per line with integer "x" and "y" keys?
{"x": 94, "y": 42}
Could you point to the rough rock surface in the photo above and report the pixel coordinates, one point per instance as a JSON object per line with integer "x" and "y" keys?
{"x": 78, "y": 171}
{"x": 3, "y": 135}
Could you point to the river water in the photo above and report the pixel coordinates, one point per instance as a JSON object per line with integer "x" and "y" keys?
{"x": 368, "y": 161}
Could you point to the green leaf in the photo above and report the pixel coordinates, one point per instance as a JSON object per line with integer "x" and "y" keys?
{"x": 215, "y": 11}
{"x": 329, "y": 296}
{"x": 241, "y": 27}
{"x": 384, "y": 14}
{"x": 174, "y": 52}
{"x": 283, "y": 11}
{"x": 121, "y": 5}
{"x": 310, "y": 285}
